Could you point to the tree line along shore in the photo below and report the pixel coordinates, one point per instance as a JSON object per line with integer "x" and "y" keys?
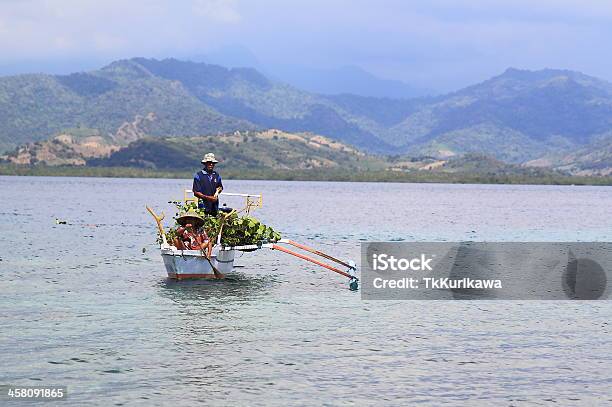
{"x": 311, "y": 175}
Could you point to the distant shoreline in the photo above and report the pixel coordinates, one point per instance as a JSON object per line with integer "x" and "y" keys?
{"x": 312, "y": 175}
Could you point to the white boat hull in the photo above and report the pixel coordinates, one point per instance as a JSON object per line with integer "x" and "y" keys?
{"x": 184, "y": 264}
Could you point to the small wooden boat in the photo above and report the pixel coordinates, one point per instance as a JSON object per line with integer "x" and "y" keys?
{"x": 183, "y": 264}
{"x": 190, "y": 264}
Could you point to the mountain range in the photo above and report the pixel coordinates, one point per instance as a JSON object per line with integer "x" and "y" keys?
{"x": 329, "y": 81}
{"x": 547, "y": 117}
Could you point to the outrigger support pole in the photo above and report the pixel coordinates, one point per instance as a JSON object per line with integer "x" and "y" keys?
{"x": 318, "y": 253}
{"x": 310, "y": 259}
{"x": 354, "y": 281}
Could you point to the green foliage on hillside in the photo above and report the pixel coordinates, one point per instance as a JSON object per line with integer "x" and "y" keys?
{"x": 35, "y": 107}
{"x": 387, "y": 112}
{"x": 253, "y": 150}
{"x": 84, "y": 84}
{"x": 516, "y": 116}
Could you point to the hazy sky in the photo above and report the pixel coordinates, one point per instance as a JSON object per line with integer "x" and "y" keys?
{"x": 441, "y": 44}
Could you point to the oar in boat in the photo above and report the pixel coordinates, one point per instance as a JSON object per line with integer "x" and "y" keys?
{"x": 216, "y": 272}
{"x": 218, "y": 275}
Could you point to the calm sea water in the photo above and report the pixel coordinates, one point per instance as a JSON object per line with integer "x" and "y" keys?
{"x": 87, "y": 304}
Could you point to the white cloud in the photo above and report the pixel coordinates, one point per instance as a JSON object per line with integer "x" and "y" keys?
{"x": 396, "y": 38}
{"x": 217, "y": 10}
{"x": 43, "y": 28}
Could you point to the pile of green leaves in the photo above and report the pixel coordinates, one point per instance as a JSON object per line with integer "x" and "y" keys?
{"x": 235, "y": 230}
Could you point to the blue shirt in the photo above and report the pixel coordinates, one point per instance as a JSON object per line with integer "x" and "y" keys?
{"x": 207, "y": 184}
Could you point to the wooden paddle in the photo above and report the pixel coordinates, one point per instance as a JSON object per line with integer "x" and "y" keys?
{"x": 218, "y": 275}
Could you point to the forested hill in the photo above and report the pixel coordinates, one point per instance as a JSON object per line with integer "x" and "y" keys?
{"x": 516, "y": 117}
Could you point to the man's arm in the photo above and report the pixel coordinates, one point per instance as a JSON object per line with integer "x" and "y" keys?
{"x": 196, "y": 191}
{"x": 210, "y": 198}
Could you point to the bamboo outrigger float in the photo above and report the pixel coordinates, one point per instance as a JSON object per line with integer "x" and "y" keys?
{"x": 190, "y": 264}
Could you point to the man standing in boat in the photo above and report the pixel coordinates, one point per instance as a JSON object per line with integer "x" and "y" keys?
{"x": 207, "y": 185}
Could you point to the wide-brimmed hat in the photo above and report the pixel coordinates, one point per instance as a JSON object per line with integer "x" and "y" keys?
{"x": 209, "y": 158}
{"x": 190, "y": 217}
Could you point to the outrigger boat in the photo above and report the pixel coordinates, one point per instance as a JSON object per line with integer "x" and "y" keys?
{"x": 194, "y": 264}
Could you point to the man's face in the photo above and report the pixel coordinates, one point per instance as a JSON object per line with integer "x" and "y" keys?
{"x": 209, "y": 166}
